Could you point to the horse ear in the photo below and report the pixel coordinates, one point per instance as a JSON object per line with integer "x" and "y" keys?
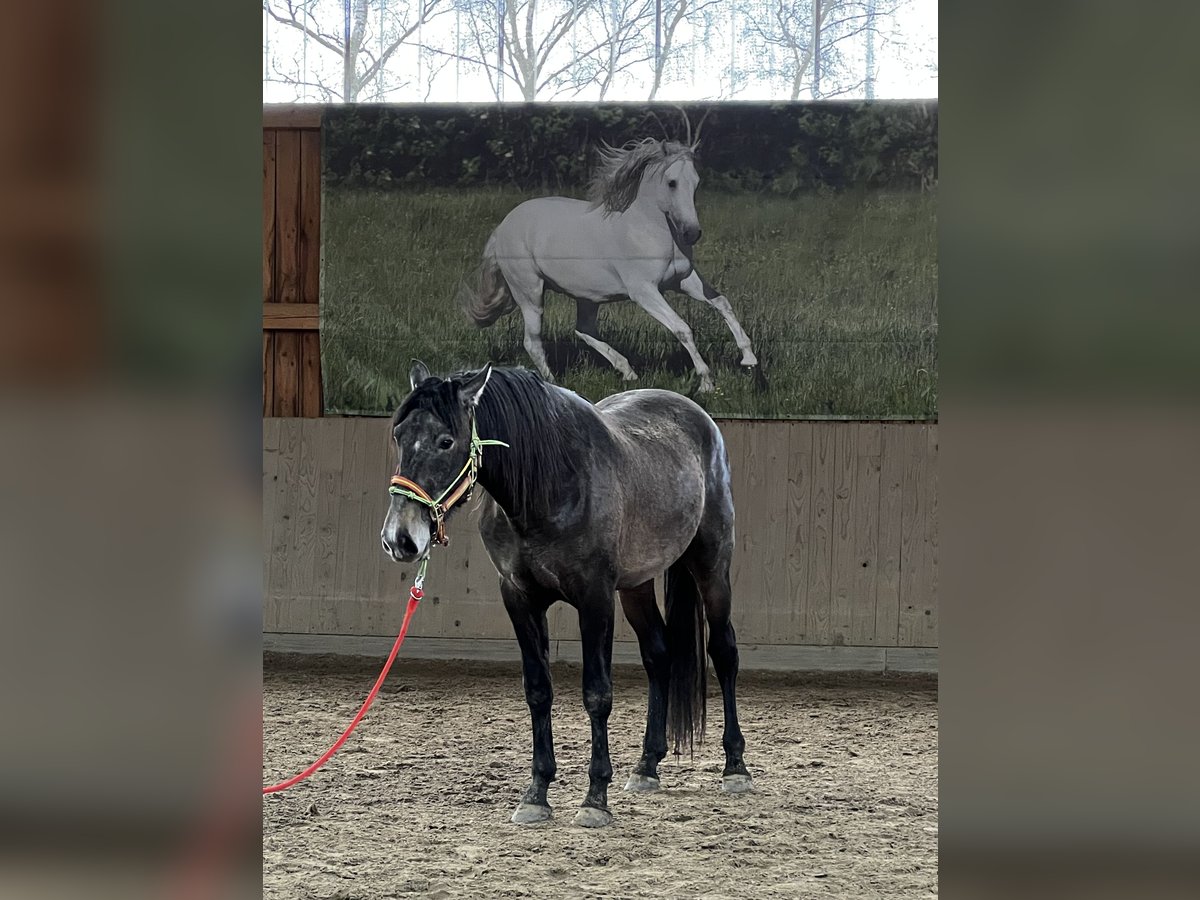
{"x": 417, "y": 374}
{"x": 472, "y": 388}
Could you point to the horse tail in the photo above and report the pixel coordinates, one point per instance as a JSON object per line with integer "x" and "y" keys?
{"x": 686, "y": 690}
{"x": 492, "y": 298}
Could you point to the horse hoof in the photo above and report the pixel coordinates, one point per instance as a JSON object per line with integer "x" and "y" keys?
{"x": 706, "y": 387}
{"x": 737, "y": 784}
{"x": 531, "y": 814}
{"x": 590, "y": 817}
{"x": 641, "y": 784}
{"x": 750, "y": 361}
{"x": 630, "y": 376}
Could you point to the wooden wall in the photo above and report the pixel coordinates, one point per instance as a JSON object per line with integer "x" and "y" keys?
{"x": 836, "y": 540}
{"x": 291, "y": 263}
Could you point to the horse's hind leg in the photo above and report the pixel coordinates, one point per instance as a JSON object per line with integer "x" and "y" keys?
{"x": 698, "y": 289}
{"x": 528, "y": 290}
{"x": 586, "y": 315}
{"x": 641, "y": 610}
{"x": 712, "y": 579}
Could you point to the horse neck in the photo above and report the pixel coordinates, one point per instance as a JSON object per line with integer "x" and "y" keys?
{"x": 536, "y": 472}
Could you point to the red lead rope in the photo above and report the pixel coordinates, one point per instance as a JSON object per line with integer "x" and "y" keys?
{"x": 414, "y": 598}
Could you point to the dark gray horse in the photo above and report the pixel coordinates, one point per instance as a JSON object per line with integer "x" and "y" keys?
{"x": 585, "y": 501}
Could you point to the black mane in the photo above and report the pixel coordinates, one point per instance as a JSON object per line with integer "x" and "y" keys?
{"x": 519, "y": 408}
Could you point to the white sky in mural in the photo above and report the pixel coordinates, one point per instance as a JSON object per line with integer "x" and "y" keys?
{"x": 905, "y": 68}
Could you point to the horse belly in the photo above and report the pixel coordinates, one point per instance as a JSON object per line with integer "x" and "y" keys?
{"x": 657, "y": 534}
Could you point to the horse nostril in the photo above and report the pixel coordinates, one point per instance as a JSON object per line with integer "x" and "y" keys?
{"x": 406, "y": 545}
{"x": 699, "y": 232}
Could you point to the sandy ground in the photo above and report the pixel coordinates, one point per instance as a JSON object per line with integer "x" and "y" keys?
{"x": 417, "y": 802}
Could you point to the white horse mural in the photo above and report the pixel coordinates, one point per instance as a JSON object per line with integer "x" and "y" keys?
{"x": 632, "y": 240}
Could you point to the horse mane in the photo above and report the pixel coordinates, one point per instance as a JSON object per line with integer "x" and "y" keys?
{"x": 521, "y": 409}
{"x": 620, "y": 170}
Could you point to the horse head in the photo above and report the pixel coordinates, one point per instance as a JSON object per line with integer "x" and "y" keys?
{"x": 436, "y": 449}
{"x": 674, "y": 191}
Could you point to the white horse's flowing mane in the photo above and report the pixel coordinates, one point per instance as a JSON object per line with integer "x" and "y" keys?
{"x": 620, "y": 170}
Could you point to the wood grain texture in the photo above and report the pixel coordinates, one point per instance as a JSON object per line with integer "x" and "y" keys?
{"x": 292, "y": 115}
{"x": 268, "y": 215}
{"x": 868, "y": 440}
{"x": 799, "y": 530}
{"x": 287, "y": 216}
{"x": 820, "y": 558}
{"x": 891, "y": 485}
{"x": 287, "y": 373}
{"x": 843, "y": 562}
{"x": 291, "y": 317}
{"x": 268, "y": 373}
{"x": 310, "y": 375}
{"x": 309, "y": 233}
{"x": 329, "y": 444}
{"x": 915, "y": 580}
{"x": 324, "y": 500}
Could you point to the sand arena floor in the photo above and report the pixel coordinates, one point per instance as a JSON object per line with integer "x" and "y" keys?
{"x": 417, "y": 802}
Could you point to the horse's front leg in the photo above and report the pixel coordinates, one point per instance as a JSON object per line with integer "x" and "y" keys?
{"x": 698, "y": 289}
{"x": 596, "y": 631}
{"x": 533, "y": 635}
{"x": 649, "y": 299}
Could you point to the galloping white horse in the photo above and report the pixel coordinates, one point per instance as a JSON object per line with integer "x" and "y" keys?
{"x": 633, "y": 240}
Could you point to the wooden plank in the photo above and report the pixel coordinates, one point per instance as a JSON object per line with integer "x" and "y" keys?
{"x": 820, "y": 558}
{"x": 329, "y": 458}
{"x": 292, "y": 115}
{"x": 310, "y": 216}
{"x": 310, "y": 375}
{"x": 270, "y": 494}
{"x": 754, "y": 657}
{"x": 287, "y": 373}
{"x": 843, "y": 561}
{"x": 268, "y": 374}
{"x": 287, "y": 216}
{"x": 354, "y": 486}
{"x": 754, "y": 533}
{"x": 930, "y": 637}
{"x": 891, "y": 481}
{"x": 304, "y": 489}
{"x": 291, "y": 317}
{"x": 865, "y": 587}
{"x": 799, "y": 529}
{"x": 268, "y": 215}
{"x": 914, "y": 557}
{"x": 770, "y": 448}
{"x": 283, "y": 525}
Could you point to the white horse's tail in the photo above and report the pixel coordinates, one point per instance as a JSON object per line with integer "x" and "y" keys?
{"x": 492, "y": 299}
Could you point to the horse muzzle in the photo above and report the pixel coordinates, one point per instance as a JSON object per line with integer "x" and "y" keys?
{"x": 405, "y": 540}
{"x": 686, "y": 235}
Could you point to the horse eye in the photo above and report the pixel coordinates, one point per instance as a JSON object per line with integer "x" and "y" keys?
{"x": 672, "y": 184}
{"x": 446, "y": 443}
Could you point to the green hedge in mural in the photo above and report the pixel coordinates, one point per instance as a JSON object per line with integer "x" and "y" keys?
{"x": 775, "y": 148}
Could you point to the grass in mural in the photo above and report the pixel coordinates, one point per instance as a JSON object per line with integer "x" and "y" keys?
{"x": 838, "y": 293}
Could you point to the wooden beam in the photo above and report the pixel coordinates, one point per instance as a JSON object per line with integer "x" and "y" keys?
{"x": 292, "y": 115}
{"x": 291, "y": 317}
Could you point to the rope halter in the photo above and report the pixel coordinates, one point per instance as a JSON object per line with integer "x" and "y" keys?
{"x": 459, "y": 489}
